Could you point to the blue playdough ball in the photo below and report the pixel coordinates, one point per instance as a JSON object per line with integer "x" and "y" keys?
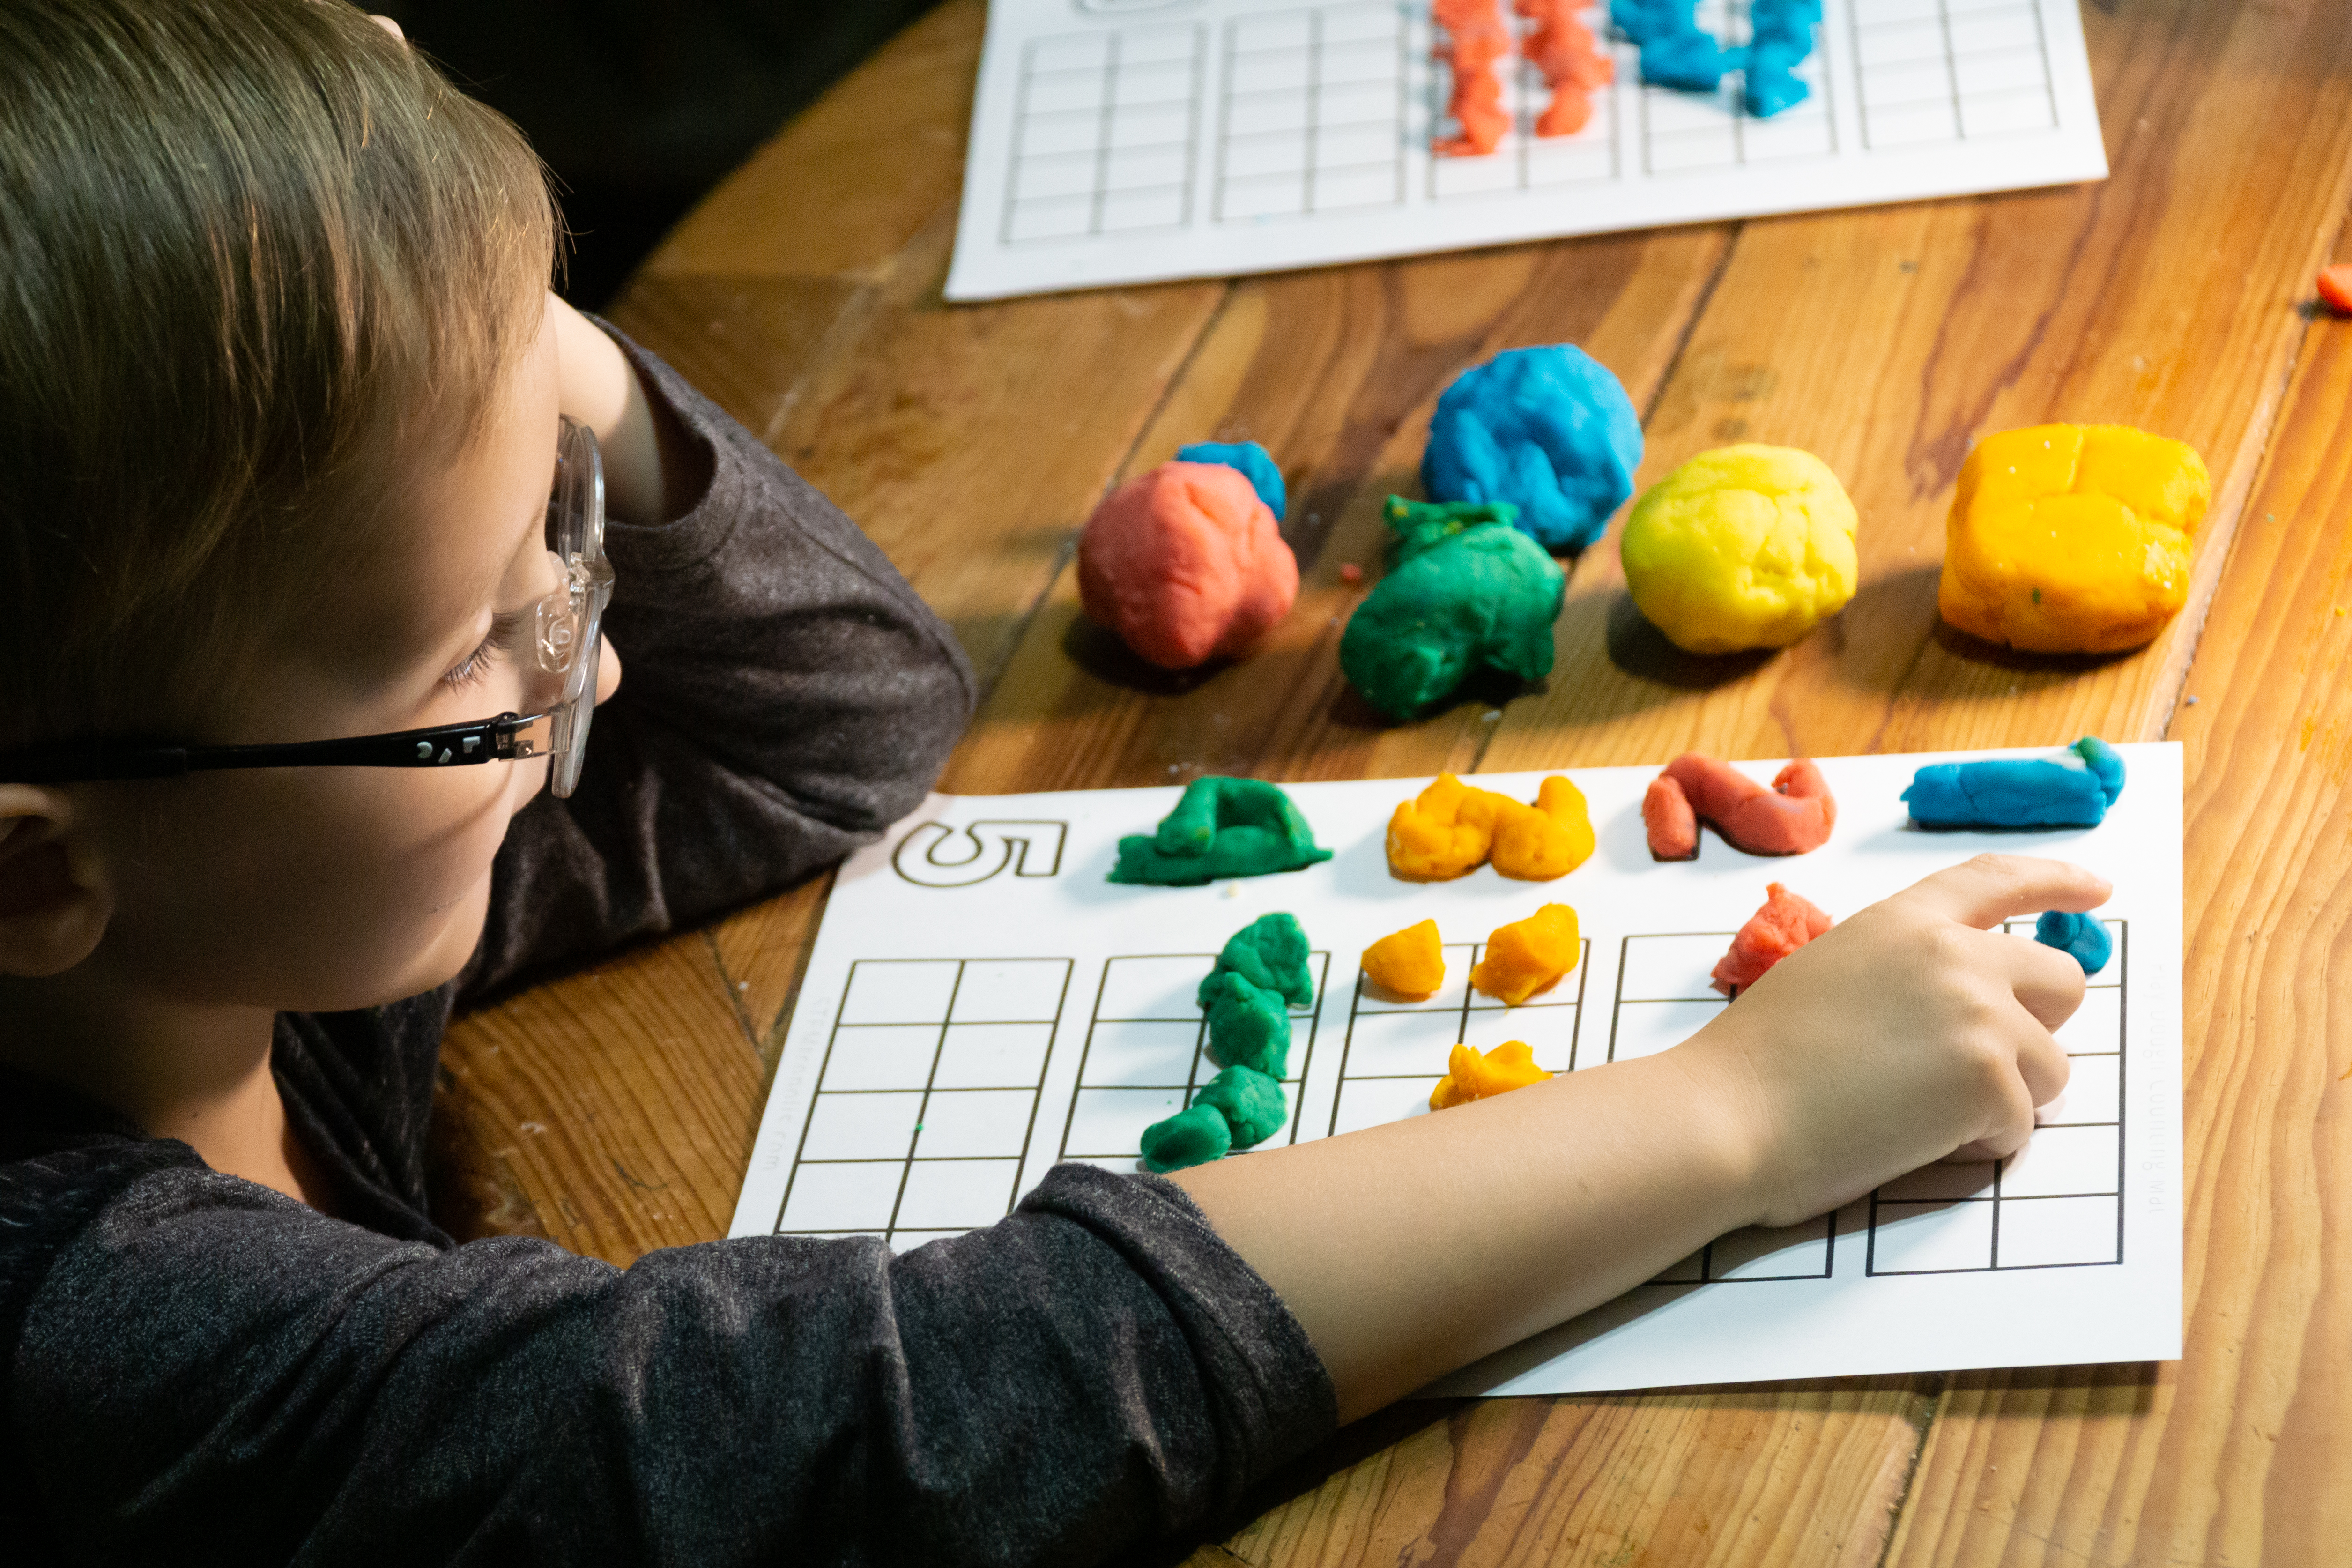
{"x": 1254, "y": 462}
{"x": 2083, "y": 936}
{"x": 1547, "y": 430}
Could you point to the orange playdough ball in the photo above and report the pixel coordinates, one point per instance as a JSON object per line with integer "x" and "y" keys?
{"x": 1186, "y": 565}
{"x": 1469, "y": 1076}
{"x": 2072, "y": 538}
{"x": 1409, "y": 963}
{"x": 1525, "y": 956}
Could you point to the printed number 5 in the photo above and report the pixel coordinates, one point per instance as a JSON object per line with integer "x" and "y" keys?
{"x": 937, "y": 856}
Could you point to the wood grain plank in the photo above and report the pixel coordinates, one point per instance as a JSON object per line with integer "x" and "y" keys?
{"x": 2238, "y": 1453}
{"x": 619, "y": 1104}
{"x": 1889, "y": 341}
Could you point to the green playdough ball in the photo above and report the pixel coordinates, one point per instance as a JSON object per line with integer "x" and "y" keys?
{"x": 1466, "y": 591}
{"x": 1270, "y": 952}
{"x": 1222, "y": 828}
{"x": 1193, "y": 1136}
{"x": 1248, "y": 1025}
{"x": 1252, "y": 1104}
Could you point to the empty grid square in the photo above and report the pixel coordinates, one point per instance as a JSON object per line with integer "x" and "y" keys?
{"x": 1147, "y": 46}
{"x": 1356, "y": 103}
{"x": 1248, "y": 157}
{"x": 1056, "y": 135}
{"x": 889, "y": 991}
{"x": 1990, "y": 115}
{"x": 1645, "y": 1029}
{"x": 1942, "y": 1182}
{"x": 2097, "y": 1027}
{"x": 1057, "y": 93}
{"x": 1370, "y": 1102}
{"x": 1266, "y": 114}
{"x": 1549, "y": 1032}
{"x": 967, "y": 1122}
{"x": 2094, "y": 1094}
{"x": 1164, "y": 82}
{"x": 1353, "y": 24}
{"x": 2005, "y": 28}
{"x": 1060, "y": 174}
{"x": 2045, "y": 1233}
{"x": 1151, "y": 125}
{"x": 1672, "y": 968}
{"x": 1148, "y": 170}
{"x": 1274, "y": 70}
{"x": 857, "y": 1196}
{"x": 1371, "y": 60}
{"x": 2064, "y": 1160}
{"x": 1010, "y": 991}
{"x": 1069, "y": 52}
{"x": 1365, "y": 188}
{"x": 1160, "y": 986}
{"x": 861, "y": 1126}
{"x": 1796, "y": 1252}
{"x": 1913, "y": 81}
{"x": 1926, "y": 1239}
{"x": 1900, "y": 43}
{"x": 881, "y": 1055}
{"x": 1109, "y": 1123}
{"x": 2004, "y": 70}
{"x": 1384, "y": 1045}
{"x": 1283, "y": 30}
{"x": 1140, "y": 1055}
{"x": 941, "y": 1194}
{"x": 993, "y": 1056}
{"x": 1908, "y": 125}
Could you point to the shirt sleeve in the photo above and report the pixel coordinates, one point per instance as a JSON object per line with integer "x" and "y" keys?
{"x": 784, "y": 696}
{"x": 211, "y": 1372}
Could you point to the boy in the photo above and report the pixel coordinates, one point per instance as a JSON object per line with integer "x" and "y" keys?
{"x": 294, "y": 450}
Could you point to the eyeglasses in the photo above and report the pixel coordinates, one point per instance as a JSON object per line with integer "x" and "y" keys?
{"x": 567, "y": 634}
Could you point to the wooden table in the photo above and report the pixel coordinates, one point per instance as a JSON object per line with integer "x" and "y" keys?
{"x": 615, "y": 1111}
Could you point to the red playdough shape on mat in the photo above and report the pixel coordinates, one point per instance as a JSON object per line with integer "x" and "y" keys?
{"x": 1793, "y": 817}
{"x": 1185, "y": 564}
{"x": 1785, "y": 923}
{"x": 1475, "y": 37}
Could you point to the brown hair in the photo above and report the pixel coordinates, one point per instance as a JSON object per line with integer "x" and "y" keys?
{"x": 250, "y": 251}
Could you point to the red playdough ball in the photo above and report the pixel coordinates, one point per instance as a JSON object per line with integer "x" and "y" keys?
{"x": 1186, "y": 565}
{"x": 1785, "y": 923}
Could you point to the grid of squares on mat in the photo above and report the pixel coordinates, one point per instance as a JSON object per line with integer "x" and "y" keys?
{"x": 1147, "y": 1051}
{"x": 2058, "y": 1204}
{"x": 1395, "y": 1051}
{"x": 1665, "y": 996}
{"x": 1947, "y": 71}
{"x": 928, "y": 1098}
{"x": 1104, "y": 130}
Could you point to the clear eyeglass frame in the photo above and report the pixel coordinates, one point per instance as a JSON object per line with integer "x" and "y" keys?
{"x": 568, "y": 639}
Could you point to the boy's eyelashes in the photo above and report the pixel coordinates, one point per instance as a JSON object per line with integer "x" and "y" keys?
{"x": 476, "y": 667}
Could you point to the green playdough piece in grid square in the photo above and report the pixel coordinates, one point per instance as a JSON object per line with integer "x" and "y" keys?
{"x": 1249, "y": 1026}
{"x": 1254, "y": 1105}
{"x": 1193, "y": 1136}
{"x": 1269, "y": 953}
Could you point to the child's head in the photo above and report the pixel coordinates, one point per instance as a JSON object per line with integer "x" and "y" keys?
{"x": 277, "y": 421}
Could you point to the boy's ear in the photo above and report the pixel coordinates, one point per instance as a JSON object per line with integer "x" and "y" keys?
{"x": 54, "y": 904}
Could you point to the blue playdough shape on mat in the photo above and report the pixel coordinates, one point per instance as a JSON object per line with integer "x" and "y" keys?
{"x": 2082, "y": 938}
{"x": 2020, "y": 791}
{"x": 1547, "y": 430}
{"x": 1256, "y": 463}
{"x": 1687, "y": 61}
{"x": 1780, "y": 36}
{"x": 1676, "y": 52}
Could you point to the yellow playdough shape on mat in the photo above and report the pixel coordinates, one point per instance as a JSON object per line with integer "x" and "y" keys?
{"x": 2072, "y": 538}
{"x": 1409, "y": 963}
{"x": 1742, "y": 547}
{"x": 1550, "y": 838}
{"x": 1445, "y": 831}
{"x": 1525, "y": 956}
{"x": 1469, "y": 1076}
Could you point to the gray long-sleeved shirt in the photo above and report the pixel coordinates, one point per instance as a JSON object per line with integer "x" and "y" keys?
{"x": 200, "y": 1370}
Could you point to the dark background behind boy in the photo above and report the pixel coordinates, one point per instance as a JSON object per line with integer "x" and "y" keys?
{"x": 641, "y": 109}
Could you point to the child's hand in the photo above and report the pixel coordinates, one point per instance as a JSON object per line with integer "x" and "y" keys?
{"x": 644, "y": 479}
{"x": 1908, "y": 1033}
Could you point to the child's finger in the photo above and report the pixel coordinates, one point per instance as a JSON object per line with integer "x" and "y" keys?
{"x": 1991, "y": 888}
{"x": 2047, "y": 982}
{"x": 2042, "y": 1063}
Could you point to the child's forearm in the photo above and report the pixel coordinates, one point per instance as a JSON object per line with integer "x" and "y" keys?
{"x": 1409, "y": 1249}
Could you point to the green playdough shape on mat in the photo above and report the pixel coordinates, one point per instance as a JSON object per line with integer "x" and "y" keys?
{"x": 1465, "y": 590}
{"x": 1191, "y": 1137}
{"x": 1249, "y": 1027}
{"x": 1252, "y": 1104}
{"x": 1269, "y": 951}
{"x": 1222, "y": 828}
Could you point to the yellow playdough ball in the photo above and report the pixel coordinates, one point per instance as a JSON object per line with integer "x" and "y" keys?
{"x": 1741, "y": 547}
{"x": 2072, "y": 538}
{"x": 1411, "y": 962}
